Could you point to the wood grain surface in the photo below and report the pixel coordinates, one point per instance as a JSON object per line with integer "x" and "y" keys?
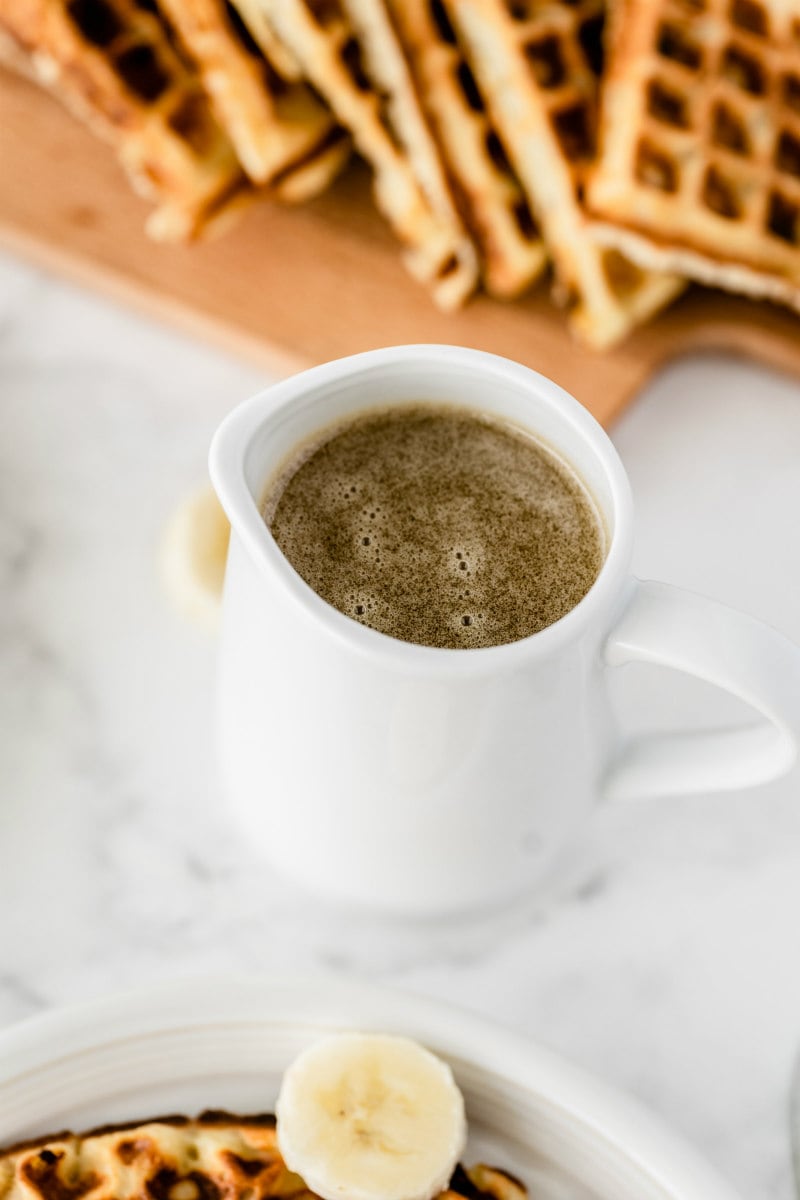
{"x": 292, "y": 287}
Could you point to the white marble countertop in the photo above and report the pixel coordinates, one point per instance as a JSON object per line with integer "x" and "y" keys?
{"x": 673, "y": 973}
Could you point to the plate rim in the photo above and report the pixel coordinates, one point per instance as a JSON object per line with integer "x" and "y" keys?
{"x": 203, "y": 1001}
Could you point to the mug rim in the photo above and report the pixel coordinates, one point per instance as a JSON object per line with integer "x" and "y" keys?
{"x": 229, "y": 448}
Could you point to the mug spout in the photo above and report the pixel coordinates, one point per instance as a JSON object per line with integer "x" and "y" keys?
{"x": 226, "y": 459}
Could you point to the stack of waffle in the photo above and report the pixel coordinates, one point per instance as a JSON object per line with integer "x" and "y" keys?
{"x": 621, "y": 153}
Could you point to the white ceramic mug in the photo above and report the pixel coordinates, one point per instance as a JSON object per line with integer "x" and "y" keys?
{"x": 421, "y": 779}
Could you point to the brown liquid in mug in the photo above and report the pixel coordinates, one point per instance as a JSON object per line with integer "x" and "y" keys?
{"x": 438, "y": 526}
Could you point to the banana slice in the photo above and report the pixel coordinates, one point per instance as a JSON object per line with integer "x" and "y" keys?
{"x": 193, "y": 555}
{"x": 371, "y": 1117}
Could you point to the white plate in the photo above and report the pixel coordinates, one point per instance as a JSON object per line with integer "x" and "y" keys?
{"x": 224, "y": 1044}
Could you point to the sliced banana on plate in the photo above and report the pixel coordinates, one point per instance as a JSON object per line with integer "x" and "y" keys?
{"x": 193, "y": 554}
{"x": 371, "y": 1117}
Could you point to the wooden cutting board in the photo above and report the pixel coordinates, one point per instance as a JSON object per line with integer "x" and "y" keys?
{"x": 292, "y": 287}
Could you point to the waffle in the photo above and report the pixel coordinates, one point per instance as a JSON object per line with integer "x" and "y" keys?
{"x": 537, "y": 63}
{"x": 274, "y": 123}
{"x": 701, "y": 141}
{"x": 112, "y": 63}
{"x": 259, "y": 29}
{"x": 174, "y": 1158}
{"x": 348, "y": 51}
{"x": 166, "y": 1159}
{"x": 498, "y": 215}
{"x": 313, "y": 174}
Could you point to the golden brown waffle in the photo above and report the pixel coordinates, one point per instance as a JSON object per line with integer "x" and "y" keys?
{"x": 701, "y": 141}
{"x": 112, "y": 63}
{"x": 264, "y": 36}
{"x": 537, "y": 63}
{"x": 348, "y": 51}
{"x": 313, "y": 174}
{"x": 173, "y": 1158}
{"x": 274, "y": 123}
{"x": 511, "y": 248}
{"x": 166, "y": 1159}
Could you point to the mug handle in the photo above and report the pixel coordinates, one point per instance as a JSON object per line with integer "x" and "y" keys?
{"x": 674, "y": 628}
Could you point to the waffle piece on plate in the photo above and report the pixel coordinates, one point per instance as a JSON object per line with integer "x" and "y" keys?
{"x": 176, "y": 1158}
{"x": 537, "y": 63}
{"x": 349, "y": 52}
{"x": 112, "y": 63}
{"x": 172, "y": 1158}
{"x": 700, "y": 170}
{"x": 489, "y": 1182}
{"x": 499, "y": 217}
{"x": 275, "y": 124}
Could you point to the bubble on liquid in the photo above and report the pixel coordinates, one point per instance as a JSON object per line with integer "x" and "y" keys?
{"x": 361, "y": 605}
{"x": 389, "y": 520}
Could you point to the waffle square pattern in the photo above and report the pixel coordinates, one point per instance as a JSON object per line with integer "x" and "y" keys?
{"x": 350, "y": 53}
{"x": 700, "y": 134}
{"x": 538, "y": 63}
{"x": 512, "y": 251}
{"x": 114, "y": 64}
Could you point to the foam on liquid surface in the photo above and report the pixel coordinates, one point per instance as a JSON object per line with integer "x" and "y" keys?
{"x": 438, "y": 526}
